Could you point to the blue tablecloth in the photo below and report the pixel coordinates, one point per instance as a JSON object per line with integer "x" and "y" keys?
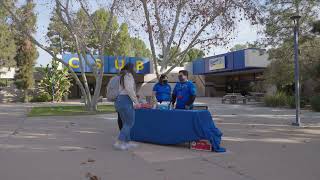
{"x": 175, "y": 127}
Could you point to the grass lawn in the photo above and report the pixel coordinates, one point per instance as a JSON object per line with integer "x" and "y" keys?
{"x": 68, "y": 110}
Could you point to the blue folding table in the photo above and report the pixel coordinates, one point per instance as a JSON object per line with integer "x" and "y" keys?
{"x": 169, "y": 127}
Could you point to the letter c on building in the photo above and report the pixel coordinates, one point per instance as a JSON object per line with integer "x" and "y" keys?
{"x": 72, "y": 64}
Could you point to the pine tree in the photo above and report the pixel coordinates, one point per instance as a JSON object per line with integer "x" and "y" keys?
{"x": 100, "y": 17}
{"x": 7, "y": 43}
{"x": 27, "y": 52}
{"x": 121, "y": 44}
{"x": 7, "y": 46}
{"x": 194, "y": 54}
{"x": 139, "y": 48}
{"x": 59, "y": 37}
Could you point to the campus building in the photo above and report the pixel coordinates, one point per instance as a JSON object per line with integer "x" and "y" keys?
{"x": 232, "y": 72}
{"x": 214, "y": 76}
{"x": 112, "y": 65}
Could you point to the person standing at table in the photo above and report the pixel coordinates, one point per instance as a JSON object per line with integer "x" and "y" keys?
{"x": 119, "y": 122}
{"x": 162, "y": 89}
{"x": 125, "y": 104}
{"x": 184, "y": 92}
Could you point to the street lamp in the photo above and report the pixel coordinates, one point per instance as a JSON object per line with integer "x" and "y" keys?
{"x": 295, "y": 20}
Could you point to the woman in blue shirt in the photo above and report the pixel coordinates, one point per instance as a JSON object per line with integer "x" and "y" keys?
{"x": 162, "y": 89}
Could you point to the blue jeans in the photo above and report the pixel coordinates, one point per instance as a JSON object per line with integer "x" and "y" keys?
{"x": 124, "y": 107}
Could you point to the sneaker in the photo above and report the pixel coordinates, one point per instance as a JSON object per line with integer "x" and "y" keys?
{"x": 120, "y": 146}
{"x": 132, "y": 145}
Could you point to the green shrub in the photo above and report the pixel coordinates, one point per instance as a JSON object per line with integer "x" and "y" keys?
{"x": 41, "y": 98}
{"x": 278, "y": 100}
{"x": 281, "y": 99}
{"x": 291, "y": 102}
{"x": 315, "y": 103}
{"x": 2, "y": 83}
{"x": 56, "y": 78}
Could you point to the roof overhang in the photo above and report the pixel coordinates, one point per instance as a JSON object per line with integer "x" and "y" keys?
{"x": 236, "y": 72}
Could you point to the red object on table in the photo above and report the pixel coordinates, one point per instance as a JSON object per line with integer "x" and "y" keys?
{"x": 146, "y": 106}
{"x": 202, "y": 145}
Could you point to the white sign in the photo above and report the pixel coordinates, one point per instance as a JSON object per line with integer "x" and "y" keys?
{"x": 217, "y": 63}
{"x": 7, "y": 73}
{"x": 256, "y": 58}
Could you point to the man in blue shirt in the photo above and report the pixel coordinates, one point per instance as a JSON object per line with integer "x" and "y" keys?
{"x": 184, "y": 92}
{"x": 162, "y": 89}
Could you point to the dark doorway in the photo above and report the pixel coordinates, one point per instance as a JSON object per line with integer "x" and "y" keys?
{"x": 91, "y": 89}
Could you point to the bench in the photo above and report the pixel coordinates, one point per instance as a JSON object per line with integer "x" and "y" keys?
{"x": 234, "y": 98}
{"x": 255, "y": 96}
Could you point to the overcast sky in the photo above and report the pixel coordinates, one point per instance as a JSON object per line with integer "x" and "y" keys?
{"x": 244, "y": 33}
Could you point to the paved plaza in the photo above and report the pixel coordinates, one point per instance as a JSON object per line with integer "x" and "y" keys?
{"x": 261, "y": 145}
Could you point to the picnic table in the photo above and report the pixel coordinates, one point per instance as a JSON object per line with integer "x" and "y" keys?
{"x": 234, "y": 98}
{"x": 256, "y": 96}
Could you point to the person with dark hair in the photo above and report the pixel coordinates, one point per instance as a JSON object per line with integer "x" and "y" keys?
{"x": 184, "y": 92}
{"x": 162, "y": 89}
{"x": 125, "y": 104}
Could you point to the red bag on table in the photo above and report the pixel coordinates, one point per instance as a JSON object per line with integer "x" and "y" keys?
{"x": 202, "y": 145}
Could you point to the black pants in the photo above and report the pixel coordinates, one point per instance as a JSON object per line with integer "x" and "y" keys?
{"x": 119, "y": 122}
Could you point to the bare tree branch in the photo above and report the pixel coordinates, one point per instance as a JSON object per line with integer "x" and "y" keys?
{"x": 161, "y": 32}
{"x": 152, "y": 45}
{"x": 174, "y": 28}
{"x": 70, "y": 26}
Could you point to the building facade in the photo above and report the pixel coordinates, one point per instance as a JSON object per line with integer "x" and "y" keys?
{"x": 111, "y": 65}
{"x": 233, "y": 72}
{"x": 214, "y": 76}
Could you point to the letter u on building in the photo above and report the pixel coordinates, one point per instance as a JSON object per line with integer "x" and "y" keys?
{"x": 117, "y": 64}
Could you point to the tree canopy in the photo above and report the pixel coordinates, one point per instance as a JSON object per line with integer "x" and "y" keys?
{"x": 278, "y": 22}
{"x": 121, "y": 43}
{"x": 7, "y": 43}
{"x": 279, "y": 36}
{"x": 139, "y": 48}
{"x": 183, "y": 25}
{"x": 27, "y": 53}
{"x": 237, "y": 47}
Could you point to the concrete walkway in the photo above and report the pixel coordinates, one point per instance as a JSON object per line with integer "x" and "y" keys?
{"x": 261, "y": 144}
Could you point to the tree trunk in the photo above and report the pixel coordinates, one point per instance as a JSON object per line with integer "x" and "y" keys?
{"x": 25, "y": 96}
{"x": 91, "y": 107}
{"x": 96, "y": 95}
{"x": 94, "y": 107}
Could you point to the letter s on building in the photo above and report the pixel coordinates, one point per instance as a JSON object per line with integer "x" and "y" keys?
{"x": 99, "y": 63}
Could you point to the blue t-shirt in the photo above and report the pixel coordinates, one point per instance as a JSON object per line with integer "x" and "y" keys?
{"x": 163, "y": 92}
{"x": 183, "y": 92}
